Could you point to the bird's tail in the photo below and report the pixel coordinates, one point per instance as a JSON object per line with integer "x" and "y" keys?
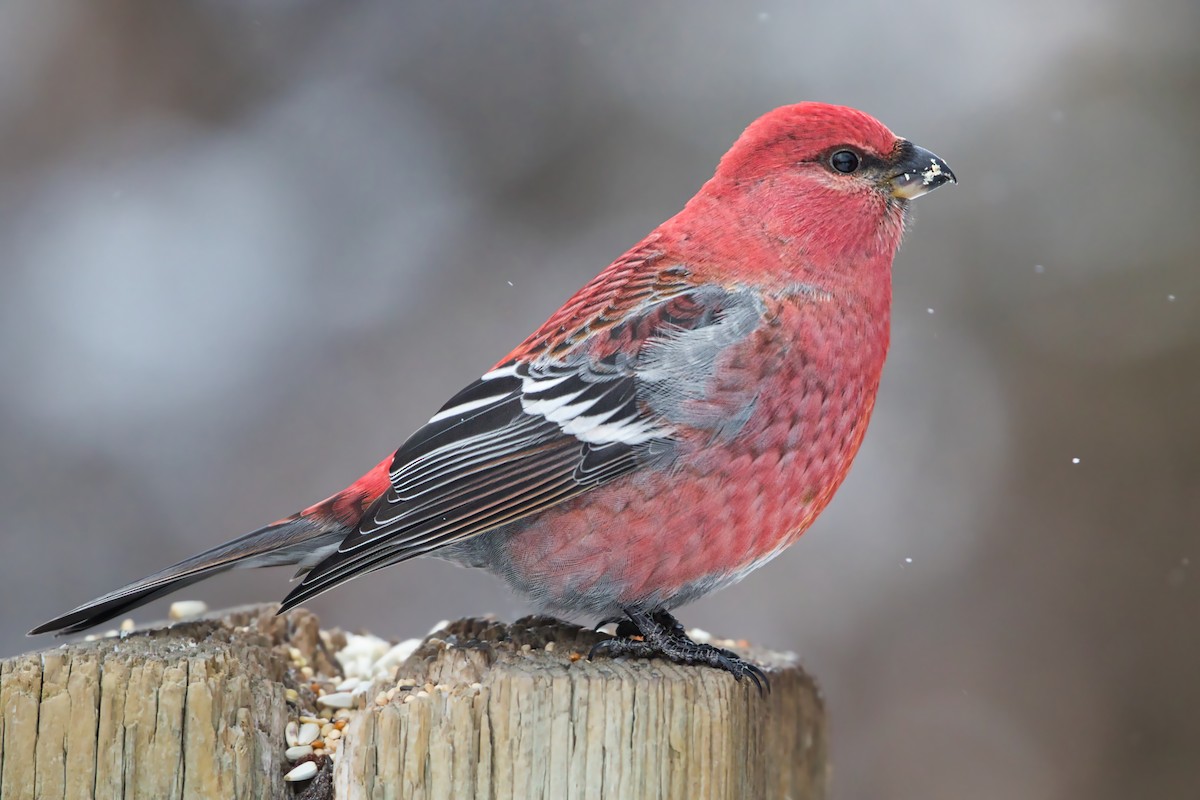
{"x": 302, "y": 540}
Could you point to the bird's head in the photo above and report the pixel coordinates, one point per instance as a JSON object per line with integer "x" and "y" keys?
{"x": 827, "y": 177}
{"x": 833, "y": 146}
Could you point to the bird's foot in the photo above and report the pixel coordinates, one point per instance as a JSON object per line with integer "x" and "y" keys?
{"x": 658, "y": 634}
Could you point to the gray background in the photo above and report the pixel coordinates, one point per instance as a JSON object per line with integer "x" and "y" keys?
{"x": 247, "y": 247}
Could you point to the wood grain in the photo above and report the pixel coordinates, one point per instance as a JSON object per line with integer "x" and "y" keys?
{"x": 481, "y": 710}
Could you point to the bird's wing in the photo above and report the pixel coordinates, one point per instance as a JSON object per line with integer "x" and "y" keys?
{"x": 589, "y": 397}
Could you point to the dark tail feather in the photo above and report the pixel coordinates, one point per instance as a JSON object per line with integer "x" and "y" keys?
{"x": 298, "y": 540}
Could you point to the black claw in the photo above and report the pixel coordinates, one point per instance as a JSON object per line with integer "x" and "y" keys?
{"x": 600, "y": 647}
{"x": 735, "y": 666}
{"x": 757, "y": 675}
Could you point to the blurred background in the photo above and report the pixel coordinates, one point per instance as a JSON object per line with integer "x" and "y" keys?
{"x": 247, "y": 247}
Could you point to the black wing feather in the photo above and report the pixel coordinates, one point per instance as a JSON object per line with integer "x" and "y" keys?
{"x": 464, "y": 474}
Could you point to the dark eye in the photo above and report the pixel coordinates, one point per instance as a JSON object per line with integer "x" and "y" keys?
{"x": 844, "y": 161}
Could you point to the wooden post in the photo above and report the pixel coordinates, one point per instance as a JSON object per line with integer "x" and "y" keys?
{"x": 480, "y": 710}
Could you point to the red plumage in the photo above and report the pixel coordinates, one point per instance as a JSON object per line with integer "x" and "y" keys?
{"x": 680, "y": 420}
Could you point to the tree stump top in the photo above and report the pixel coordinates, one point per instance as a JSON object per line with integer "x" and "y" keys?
{"x": 479, "y": 709}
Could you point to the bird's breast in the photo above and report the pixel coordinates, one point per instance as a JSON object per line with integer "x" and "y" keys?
{"x": 815, "y": 365}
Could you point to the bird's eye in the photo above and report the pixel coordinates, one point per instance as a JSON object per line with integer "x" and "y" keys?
{"x": 844, "y": 161}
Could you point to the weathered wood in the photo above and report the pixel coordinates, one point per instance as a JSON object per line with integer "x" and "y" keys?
{"x": 480, "y": 710}
{"x": 192, "y": 711}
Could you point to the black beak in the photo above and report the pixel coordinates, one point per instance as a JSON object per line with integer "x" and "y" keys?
{"x": 916, "y": 171}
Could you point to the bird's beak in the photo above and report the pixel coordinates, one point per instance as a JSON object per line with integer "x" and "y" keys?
{"x": 916, "y": 171}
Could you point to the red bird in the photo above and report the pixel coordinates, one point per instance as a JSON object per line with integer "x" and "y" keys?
{"x": 676, "y": 424}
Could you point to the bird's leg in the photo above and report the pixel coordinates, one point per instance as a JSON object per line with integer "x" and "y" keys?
{"x": 663, "y": 636}
{"x": 668, "y": 621}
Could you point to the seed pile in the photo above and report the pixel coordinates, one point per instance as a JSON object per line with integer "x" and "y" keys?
{"x": 324, "y": 704}
{"x": 316, "y": 732}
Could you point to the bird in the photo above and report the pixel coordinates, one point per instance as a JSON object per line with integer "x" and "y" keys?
{"x": 675, "y": 424}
